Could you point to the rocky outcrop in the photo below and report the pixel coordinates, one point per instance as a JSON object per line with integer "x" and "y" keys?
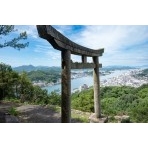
{"x": 7, "y": 118}
{"x": 122, "y": 119}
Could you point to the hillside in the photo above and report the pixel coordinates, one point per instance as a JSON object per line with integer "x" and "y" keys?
{"x": 144, "y": 73}
{"x": 28, "y": 68}
{"x": 116, "y": 100}
{"x": 51, "y": 75}
{"x": 112, "y": 68}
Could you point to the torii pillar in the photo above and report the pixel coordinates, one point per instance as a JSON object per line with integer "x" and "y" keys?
{"x": 66, "y": 87}
{"x": 97, "y": 106}
{"x": 97, "y": 117}
{"x": 67, "y": 47}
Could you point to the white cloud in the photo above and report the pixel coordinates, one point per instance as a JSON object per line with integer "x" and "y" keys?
{"x": 42, "y": 48}
{"x": 48, "y": 51}
{"x": 112, "y": 37}
{"x": 30, "y": 29}
{"x": 123, "y": 44}
{"x": 54, "y": 55}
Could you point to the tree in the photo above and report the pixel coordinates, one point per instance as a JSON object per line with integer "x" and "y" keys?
{"x": 4, "y": 69}
{"x": 25, "y": 88}
{"x": 139, "y": 112}
{"x": 8, "y": 79}
{"x": 5, "y": 30}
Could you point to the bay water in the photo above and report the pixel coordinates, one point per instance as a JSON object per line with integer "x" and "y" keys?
{"x": 88, "y": 80}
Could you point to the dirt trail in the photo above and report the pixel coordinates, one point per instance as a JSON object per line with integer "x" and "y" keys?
{"x": 34, "y": 113}
{"x": 38, "y": 114}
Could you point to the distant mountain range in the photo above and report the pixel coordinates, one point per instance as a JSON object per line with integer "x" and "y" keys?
{"x": 117, "y": 67}
{"x": 29, "y": 68}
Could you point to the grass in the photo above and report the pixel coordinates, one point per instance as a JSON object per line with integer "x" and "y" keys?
{"x": 14, "y": 100}
{"x": 82, "y": 119}
{"x": 75, "y": 114}
{"x": 81, "y": 116}
{"x": 13, "y": 111}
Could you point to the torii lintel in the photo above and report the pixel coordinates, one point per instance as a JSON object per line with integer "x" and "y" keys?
{"x": 60, "y": 42}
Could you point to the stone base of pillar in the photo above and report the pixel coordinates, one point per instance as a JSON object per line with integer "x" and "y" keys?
{"x": 93, "y": 119}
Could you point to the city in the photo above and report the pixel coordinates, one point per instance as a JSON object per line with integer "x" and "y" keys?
{"x": 123, "y": 78}
{"x": 126, "y": 79}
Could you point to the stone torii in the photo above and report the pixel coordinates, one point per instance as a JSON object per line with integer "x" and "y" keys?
{"x": 67, "y": 47}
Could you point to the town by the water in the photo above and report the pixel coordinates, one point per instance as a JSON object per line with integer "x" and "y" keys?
{"x": 128, "y": 78}
{"x": 107, "y": 78}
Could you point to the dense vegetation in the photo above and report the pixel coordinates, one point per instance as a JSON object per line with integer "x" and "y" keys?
{"x": 114, "y": 100}
{"x": 48, "y": 76}
{"x": 143, "y": 73}
{"x": 123, "y": 100}
{"x": 40, "y": 73}
{"x": 53, "y": 74}
{"x": 14, "y": 85}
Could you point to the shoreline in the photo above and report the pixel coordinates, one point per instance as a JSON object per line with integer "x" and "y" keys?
{"x": 116, "y": 78}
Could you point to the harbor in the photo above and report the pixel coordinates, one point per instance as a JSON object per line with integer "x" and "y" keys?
{"x": 115, "y": 78}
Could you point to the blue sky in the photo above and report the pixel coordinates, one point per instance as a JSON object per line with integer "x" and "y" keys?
{"x": 124, "y": 45}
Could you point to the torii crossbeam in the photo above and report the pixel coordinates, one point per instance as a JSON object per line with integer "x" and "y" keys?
{"x": 67, "y": 47}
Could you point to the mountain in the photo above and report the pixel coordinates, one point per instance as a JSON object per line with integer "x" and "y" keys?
{"x": 29, "y": 68}
{"x": 143, "y": 66}
{"x": 117, "y": 67}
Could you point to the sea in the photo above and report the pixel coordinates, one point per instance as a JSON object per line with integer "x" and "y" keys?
{"x": 88, "y": 80}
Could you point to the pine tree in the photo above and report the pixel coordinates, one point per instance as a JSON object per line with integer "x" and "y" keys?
{"x": 6, "y": 30}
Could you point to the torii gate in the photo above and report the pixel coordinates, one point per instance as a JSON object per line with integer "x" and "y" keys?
{"x": 67, "y": 47}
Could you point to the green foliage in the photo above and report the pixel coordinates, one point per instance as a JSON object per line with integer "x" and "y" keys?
{"x": 115, "y": 91}
{"x": 18, "y": 86}
{"x": 143, "y": 93}
{"x": 54, "y": 99}
{"x": 80, "y": 118}
{"x": 8, "y": 81}
{"x": 142, "y": 87}
{"x": 13, "y": 111}
{"x": 14, "y": 85}
{"x": 116, "y": 101}
{"x": 15, "y": 100}
{"x": 110, "y": 106}
{"x": 112, "y": 119}
{"x": 139, "y": 112}
{"x": 39, "y": 95}
{"x": 42, "y": 97}
{"x": 47, "y": 76}
{"x": 6, "y": 30}
{"x": 83, "y": 101}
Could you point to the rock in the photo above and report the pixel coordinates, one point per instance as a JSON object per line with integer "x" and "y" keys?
{"x": 93, "y": 119}
{"x": 122, "y": 119}
{"x": 2, "y": 117}
{"x": 125, "y": 119}
{"x": 11, "y": 119}
{"x": 118, "y": 117}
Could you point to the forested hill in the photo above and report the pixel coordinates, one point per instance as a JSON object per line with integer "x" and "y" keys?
{"x": 124, "y": 100}
{"x": 115, "y": 100}
{"x": 144, "y": 73}
{"x": 28, "y": 68}
{"x": 112, "y": 68}
{"x": 51, "y": 75}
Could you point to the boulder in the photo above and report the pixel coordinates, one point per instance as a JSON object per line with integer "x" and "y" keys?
{"x": 7, "y": 118}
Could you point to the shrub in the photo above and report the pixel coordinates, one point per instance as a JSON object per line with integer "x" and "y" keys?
{"x": 13, "y": 111}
